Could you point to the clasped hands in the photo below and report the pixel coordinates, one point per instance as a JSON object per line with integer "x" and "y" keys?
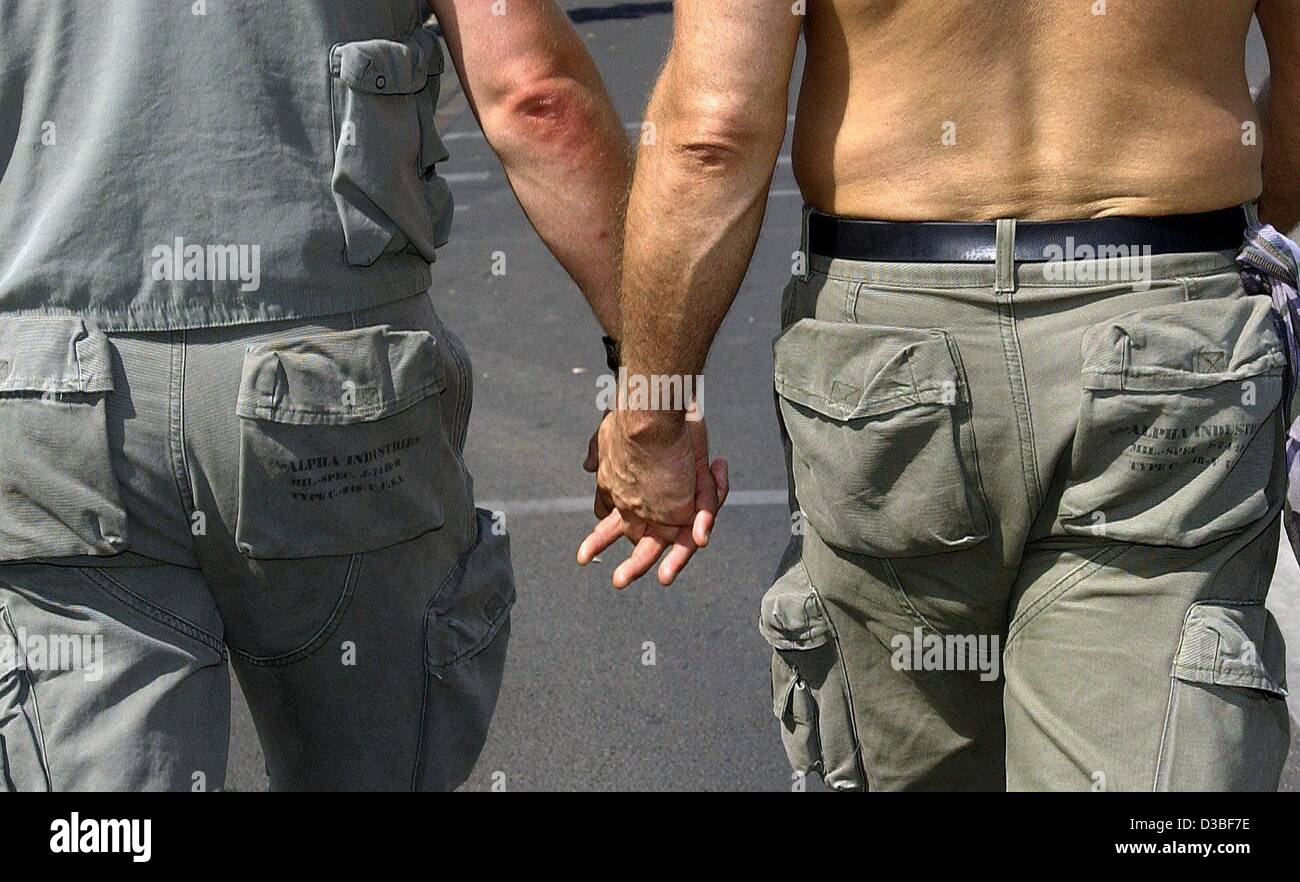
{"x": 656, "y": 486}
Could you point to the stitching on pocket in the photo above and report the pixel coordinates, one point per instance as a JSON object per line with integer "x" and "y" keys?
{"x": 1089, "y": 565}
{"x": 127, "y": 596}
{"x": 318, "y": 639}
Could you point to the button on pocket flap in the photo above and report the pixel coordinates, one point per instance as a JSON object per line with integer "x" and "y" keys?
{"x": 1190, "y": 345}
{"x": 386, "y": 67}
{"x": 472, "y": 606}
{"x": 339, "y": 378}
{"x": 792, "y": 616}
{"x": 849, "y": 371}
{"x": 1232, "y": 645}
{"x": 56, "y": 354}
{"x": 792, "y": 700}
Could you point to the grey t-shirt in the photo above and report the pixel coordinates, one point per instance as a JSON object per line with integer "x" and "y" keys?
{"x": 168, "y": 164}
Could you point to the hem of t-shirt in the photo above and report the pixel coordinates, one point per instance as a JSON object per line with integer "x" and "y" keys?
{"x": 146, "y": 317}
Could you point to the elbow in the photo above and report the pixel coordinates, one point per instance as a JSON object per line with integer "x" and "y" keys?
{"x": 722, "y": 140}
{"x": 551, "y": 112}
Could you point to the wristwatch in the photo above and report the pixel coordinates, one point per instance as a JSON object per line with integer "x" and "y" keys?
{"x": 611, "y": 353}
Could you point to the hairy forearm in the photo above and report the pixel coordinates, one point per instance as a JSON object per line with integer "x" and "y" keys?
{"x": 568, "y": 159}
{"x": 1279, "y": 106}
{"x": 697, "y": 203}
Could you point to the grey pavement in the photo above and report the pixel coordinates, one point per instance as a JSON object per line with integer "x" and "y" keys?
{"x": 652, "y": 688}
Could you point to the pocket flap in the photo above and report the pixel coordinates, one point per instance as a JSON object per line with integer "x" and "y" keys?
{"x": 849, "y": 371}
{"x": 339, "y": 377}
{"x": 1190, "y": 345}
{"x": 471, "y": 607}
{"x": 53, "y": 354}
{"x": 1237, "y": 645}
{"x": 792, "y": 616}
{"x": 386, "y": 67}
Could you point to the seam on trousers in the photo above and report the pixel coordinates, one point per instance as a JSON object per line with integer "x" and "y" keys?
{"x": 456, "y": 571}
{"x": 1089, "y": 565}
{"x": 903, "y": 600}
{"x": 7, "y": 620}
{"x": 324, "y": 633}
{"x": 1020, "y": 400}
{"x": 135, "y": 601}
{"x": 176, "y": 431}
{"x": 858, "y": 757}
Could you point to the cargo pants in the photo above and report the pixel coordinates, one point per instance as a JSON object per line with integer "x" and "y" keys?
{"x": 1035, "y": 517}
{"x": 289, "y": 498}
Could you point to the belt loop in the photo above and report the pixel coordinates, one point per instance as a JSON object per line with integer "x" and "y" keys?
{"x": 803, "y": 244}
{"x": 1252, "y": 213}
{"x": 1006, "y": 256}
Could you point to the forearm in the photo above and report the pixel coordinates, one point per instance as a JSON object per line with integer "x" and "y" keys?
{"x": 568, "y": 159}
{"x": 697, "y": 203}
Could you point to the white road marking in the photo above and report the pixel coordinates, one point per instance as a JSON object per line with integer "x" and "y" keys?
{"x": 582, "y": 504}
{"x": 466, "y": 177}
{"x": 776, "y": 194}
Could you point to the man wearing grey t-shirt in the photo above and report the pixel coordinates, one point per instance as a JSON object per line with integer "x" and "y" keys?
{"x": 231, "y": 421}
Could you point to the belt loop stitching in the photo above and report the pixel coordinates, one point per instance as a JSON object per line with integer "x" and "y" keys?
{"x": 1006, "y": 256}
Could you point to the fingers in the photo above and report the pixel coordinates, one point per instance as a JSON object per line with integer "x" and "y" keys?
{"x": 603, "y": 535}
{"x": 708, "y": 507}
{"x": 639, "y": 562}
{"x": 683, "y": 549}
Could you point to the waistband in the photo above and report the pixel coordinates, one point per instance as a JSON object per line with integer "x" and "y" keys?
{"x": 1009, "y": 254}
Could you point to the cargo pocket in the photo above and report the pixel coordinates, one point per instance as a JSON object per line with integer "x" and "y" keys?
{"x": 810, "y": 689}
{"x": 1177, "y": 436}
{"x": 58, "y": 494}
{"x": 1227, "y": 727}
{"x": 22, "y": 750}
{"x": 341, "y": 445}
{"x": 386, "y": 147}
{"x": 467, "y": 627}
{"x": 883, "y": 453}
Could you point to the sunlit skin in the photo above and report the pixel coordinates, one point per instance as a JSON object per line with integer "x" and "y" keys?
{"x": 912, "y": 110}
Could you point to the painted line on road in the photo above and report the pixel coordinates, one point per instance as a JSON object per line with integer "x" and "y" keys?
{"x": 582, "y": 504}
{"x": 466, "y": 177}
{"x": 775, "y": 194}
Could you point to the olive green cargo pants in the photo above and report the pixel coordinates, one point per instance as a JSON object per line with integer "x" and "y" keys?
{"x": 288, "y": 497}
{"x": 1036, "y": 515}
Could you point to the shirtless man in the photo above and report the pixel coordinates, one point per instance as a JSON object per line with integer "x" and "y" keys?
{"x": 1037, "y": 459}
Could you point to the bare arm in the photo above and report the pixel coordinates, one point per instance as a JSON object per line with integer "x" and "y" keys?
{"x": 700, "y": 189}
{"x": 1279, "y": 106}
{"x": 539, "y": 98}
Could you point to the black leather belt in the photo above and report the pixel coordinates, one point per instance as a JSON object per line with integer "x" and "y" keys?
{"x": 965, "y": 242}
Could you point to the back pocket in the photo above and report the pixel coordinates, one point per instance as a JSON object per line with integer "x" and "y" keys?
{"x": 883, "y": 453}
{"x": 341, "y": 446}
{"x": 1176, "y": 441}
{"x": 58, "y": 494}
{"x": 386, "y": 188}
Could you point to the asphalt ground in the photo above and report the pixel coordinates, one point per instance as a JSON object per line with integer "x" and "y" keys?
{"x": 652, "y": 688}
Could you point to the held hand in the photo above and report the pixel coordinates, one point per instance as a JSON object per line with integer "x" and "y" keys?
{"x": 662, "y": 494}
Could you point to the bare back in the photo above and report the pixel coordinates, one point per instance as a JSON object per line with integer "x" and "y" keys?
{"x": 978, "y": 109}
